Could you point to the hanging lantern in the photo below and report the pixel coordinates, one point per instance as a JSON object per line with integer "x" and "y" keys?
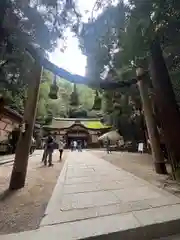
{"x": 97, "y": 102}
{"x": 53, "y": 94}
{"x": 74, "y": 101}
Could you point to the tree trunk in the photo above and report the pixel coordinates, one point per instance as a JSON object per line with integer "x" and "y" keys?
{"x": 2, "y": 103}
{"x": 19, "y": 171}
{"x": 3, "y": 7}
{"x": 168, "y": 110}
{"x": 157, "y": 154}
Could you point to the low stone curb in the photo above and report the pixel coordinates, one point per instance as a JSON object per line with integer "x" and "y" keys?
{"x": 57, "y": 192}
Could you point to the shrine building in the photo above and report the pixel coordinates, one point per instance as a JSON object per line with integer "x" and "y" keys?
{"x": 85, "y": 129}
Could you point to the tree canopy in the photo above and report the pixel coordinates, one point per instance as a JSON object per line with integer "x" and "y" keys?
{"x": 38, "y": 23}
{"x": 120, "y": 35}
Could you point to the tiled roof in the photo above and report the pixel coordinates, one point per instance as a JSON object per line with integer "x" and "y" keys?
{"x": 60, "y": 123}
{"x": 76, "y": 119}
{"x": 14, "y": 113}
{"x": 94, "y": 124}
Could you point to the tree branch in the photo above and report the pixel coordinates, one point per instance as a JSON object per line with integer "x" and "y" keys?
{"x": 3, "y": 64}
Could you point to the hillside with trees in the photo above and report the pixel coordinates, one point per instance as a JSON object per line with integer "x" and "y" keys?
{"x": 48, "y": 108}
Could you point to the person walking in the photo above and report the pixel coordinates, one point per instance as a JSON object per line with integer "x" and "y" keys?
{"x": 44, "y": 152}
{"x": 61, "y": 149}
{"x": 75, "y": 145}
{"x": 108, "y": 147}
{"x": 85, "y": 144}
{"x": 33, "y": 145}
{"x": 71, "y": 146}
{"x": 141, "y": 147}
{"x": 49, "y": 148}
{"x": 79, "y": 146}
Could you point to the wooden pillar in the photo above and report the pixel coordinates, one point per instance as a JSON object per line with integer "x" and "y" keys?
{"x": 168, "y": 110}
{"x": 158, "y": 158}
{"x": 18, "y": 175}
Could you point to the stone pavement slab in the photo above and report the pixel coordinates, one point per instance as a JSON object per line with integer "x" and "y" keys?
{"x": 94, "y": 199}
{"x": 94, "y": 189}
{"x": 174, "y": 237}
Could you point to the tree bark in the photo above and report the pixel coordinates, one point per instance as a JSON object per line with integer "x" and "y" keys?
{"x": 19, "y": 171}
{"x": 3, "y": 8}
{"x": 157, "y": 154}
{"x": 2, "y": 103}
{"x": 168, "y": 110}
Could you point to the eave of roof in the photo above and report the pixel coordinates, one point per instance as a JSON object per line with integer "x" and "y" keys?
{"x": 77, "y": 119}
{"x": 91, "y": 124}
{"x": 12, "y": 112}
{"x": 94, "y": 125}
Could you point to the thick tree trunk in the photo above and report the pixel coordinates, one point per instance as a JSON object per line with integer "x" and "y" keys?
{"x": 3, "y": 7}
{"x": 2, "y": 103}
{"x": 18, "y": 175}
{"x": 168, "y": 110}
{"x": 153, "y": 134}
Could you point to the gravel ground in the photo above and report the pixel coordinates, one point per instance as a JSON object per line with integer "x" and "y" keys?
{"x": 23, "y": 210}
{"x": 141, "y": 165}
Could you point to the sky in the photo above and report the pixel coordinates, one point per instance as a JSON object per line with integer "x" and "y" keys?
{"x": 72, "y": 59}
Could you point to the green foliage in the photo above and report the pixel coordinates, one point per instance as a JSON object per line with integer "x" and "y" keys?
{"x": 86, "y": 96}
{"x": 37, "y": 23}
{"x": 99, "y": 39}
{"x": 48, "y": 108}
{"x": 115, "y": 40}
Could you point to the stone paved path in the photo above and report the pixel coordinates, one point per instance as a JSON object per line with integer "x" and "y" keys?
{"x": 93, "y": 198}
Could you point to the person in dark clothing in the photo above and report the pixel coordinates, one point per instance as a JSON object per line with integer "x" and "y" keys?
{"x": 49, "y": 148}
{"x": 108, "y": 148}
{"x": 44, "y": 153}
{"x": 71, "y": 146}
{"x": 79, "y": 146}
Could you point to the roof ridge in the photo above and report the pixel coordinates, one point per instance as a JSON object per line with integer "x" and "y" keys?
{"x": 76, "y": 119}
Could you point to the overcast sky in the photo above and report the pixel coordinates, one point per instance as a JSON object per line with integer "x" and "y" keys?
{"x": 72, "y": 59}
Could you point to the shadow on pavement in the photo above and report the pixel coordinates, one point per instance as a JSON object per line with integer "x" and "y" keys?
{"x": 7, "y": 194}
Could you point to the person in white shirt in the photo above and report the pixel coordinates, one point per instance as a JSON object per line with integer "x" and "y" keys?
{"x": 141, "y": 147}
{"x": 61, "y": 149}
{"x": 75, "y": 145}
